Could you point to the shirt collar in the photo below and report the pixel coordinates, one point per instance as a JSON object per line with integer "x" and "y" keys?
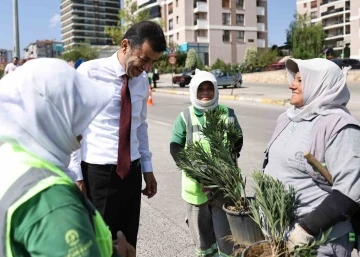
{"x": 117, "y": 66}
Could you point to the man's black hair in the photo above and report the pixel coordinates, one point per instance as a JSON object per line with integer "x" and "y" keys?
{"x": 148, "y": 31}
{"x": 17, "y": 58}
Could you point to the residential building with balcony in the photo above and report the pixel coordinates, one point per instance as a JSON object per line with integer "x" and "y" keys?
{"x": 6, "y": 55}
{"x": 85, "y": 21}
{"x": 43, "y": 48}
{"x": 215, "y": 29}
{"x": 340, "y": 19}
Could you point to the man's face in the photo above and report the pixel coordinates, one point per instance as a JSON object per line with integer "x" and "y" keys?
{"x": 140, "y": 59}
{"x": 15, "y": 61}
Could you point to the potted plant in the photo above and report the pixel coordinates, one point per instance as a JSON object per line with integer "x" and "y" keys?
{"x": 273, "y": 210}
{"x": 215, "y": 167}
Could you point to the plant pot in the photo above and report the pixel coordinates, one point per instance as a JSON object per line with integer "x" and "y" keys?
{"x": 243, "y": 229}
{"x": 258, "y": 249}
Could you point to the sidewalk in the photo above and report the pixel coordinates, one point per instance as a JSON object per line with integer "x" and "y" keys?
{"x": 261, "y": 93}
{"x": 273, "y": 94}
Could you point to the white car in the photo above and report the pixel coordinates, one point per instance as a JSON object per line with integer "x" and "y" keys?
{"x": 226, "y": 79}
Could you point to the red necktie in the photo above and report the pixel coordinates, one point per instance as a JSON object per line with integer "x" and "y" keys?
{"x": 124, "y": 161}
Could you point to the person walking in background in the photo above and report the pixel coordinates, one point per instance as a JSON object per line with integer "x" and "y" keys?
{"x": 115, "y": 146}
{"x": 207, "y": 221}
{"x": 10, "y": 67}
{"x": 44, "y": 107}
{"x": 319, "y": 123}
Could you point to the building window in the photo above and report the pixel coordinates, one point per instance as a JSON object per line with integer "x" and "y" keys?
{"x": 313, "y": 4}
{"x": 240, "y": 19}
{"x": 171, "y": 38}
{"x": 177, "y": 36}
{"x": 240, "y": 35}
{"x": 240, "y": 4}
{"x": 177, "y": 3}
{"x": 251, "y": 40}
{"x": 313, "y": 15}
{"x": 305, "y": 5}
{"x": 225, "y": 4}
{"x": 171, "y": 24}
{"x": 177, "y": 19}
{"x": 226, "y": 18}
{"x": 170, "y": 8}
{"x": 226, "y": 35}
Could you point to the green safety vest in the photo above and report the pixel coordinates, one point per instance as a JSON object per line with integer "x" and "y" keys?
{"x": 191, "y": 189}
{"x": 28, "y": 177}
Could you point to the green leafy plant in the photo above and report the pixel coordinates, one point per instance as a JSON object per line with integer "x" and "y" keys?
{"x": 216, "y": 166}
{"x": 273, "y": 210}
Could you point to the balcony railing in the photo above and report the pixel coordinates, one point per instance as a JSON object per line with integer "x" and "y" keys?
{"x": 200, "y": 6}
{"x": 328, "y": 1}
{"x": 332, "y": 11}
{"x": 260, "y": 11}
{"x": 330, "y": 23}
{"x": 261, "y": 27}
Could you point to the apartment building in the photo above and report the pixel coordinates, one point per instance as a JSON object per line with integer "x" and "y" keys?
{"x": 43, "y": 48}
{"x": 85, "y": 21}
{"x": 5, "y": 55}
{"x": 340, "y": 19}
{"x": 215, "y": 29}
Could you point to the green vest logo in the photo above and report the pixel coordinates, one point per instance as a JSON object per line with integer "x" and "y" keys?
{"x": 72, "y": 237}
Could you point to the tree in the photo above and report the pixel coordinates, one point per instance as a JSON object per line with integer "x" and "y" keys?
{"x": 257, "y": 58}
{"x": 307, "y": 39}
{"x": 191, "y": 59}
{"x": 128, "y": 16}
{"x": 80, "y": 51}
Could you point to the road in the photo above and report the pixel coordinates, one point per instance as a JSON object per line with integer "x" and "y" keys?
{"x": 162, "y": 228}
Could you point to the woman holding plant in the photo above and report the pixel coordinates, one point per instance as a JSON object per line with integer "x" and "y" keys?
{"x": 207, "y": 221}
{"x": 319, "y": 123}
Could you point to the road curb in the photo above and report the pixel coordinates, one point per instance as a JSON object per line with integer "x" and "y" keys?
{"x": 261, "y": 100}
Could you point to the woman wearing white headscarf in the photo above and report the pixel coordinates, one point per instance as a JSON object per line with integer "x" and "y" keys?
{"x": 207, "y": 221}
{"x": 44, "y": 107}
{"x": 319, "y": 123}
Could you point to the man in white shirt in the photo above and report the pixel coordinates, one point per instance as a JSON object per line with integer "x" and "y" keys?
{"x": 10, "y": 67}
{"x": 115, "y": 147}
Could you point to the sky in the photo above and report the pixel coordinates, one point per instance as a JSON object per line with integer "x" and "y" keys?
{"x": 40, "y": 19}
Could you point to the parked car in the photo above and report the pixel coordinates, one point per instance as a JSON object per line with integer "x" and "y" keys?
{"x": 354, "y": 63}
{"x": 225, "y": 79}
{"x": 183, "y": 79}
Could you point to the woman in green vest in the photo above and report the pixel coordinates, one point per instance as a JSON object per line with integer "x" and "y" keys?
{"x": 206, "y": 219}
{"x": 44, "y": 107}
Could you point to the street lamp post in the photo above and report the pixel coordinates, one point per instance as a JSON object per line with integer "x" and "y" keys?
{"x": 16, "y": 29}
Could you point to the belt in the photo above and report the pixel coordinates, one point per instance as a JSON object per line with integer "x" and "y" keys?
{"x": 132, "y": 164}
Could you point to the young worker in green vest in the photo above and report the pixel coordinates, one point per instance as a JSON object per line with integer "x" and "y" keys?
{"x": 45, "y": 105}
{"x": 206, "y": 219}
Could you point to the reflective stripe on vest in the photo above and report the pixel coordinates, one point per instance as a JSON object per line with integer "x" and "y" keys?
{"x": 193, "y": 125}
{"x": 25, "y": 182}
{"x": 191, "y": 189}
{"x": 17, "y": 190}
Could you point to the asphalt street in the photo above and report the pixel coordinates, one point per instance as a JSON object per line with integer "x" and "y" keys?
{"x": 163, "y": 232}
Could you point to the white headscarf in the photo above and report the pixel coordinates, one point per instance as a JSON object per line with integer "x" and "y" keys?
{"x": 45, "y": 105}
{"x": 197, "y": 79}
{"x": 323, "y": 85}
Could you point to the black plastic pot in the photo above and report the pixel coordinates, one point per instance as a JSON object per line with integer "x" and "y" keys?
{"x": 245, "y": 253}
{"x": 243, "y": 229}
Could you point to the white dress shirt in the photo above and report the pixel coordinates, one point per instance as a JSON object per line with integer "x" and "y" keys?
{"x": 10, "y": 67}
{"x": 100, "y": 140}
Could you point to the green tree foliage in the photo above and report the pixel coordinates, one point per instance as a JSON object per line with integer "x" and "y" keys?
{"x": 191, "y": 59}
{"x": 307, "y": 39}
{"x": 216, "y": 167}
{"x": 127, "y": 17}
{"x": 260, "y": 58}
{"x": 80, "y": 51}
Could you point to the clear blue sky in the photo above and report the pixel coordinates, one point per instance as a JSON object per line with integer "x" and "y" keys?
{"x": 40, "y": 19}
